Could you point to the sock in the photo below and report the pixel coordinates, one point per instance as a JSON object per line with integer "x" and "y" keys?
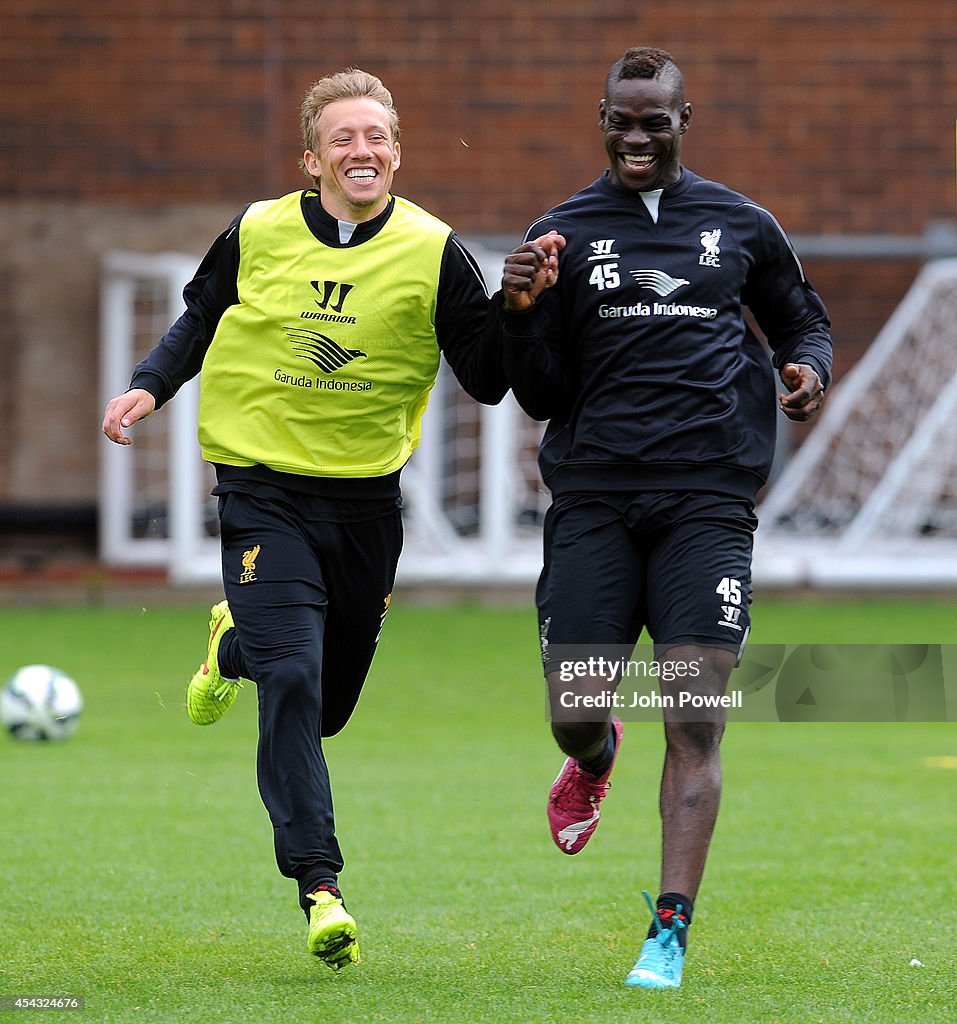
{"x": 599, "y": 765}
{"x": 228, "y": 655}
{"x": 329, "y": 887}
{"x": 667, "y": 905}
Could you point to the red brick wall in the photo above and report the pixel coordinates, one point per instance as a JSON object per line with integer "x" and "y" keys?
{"x": 840, "y": 116}
{"x": 144, "y": 126}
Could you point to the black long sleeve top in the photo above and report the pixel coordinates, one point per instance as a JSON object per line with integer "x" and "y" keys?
{"x": 641, "y": 355}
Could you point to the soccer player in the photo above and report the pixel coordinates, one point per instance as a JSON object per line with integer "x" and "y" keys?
{"x": 317, "y": 320}
{"x": 661, "y": 409}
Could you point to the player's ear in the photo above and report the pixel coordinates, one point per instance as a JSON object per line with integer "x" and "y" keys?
{"x": 601, "y": 114}
{"x": 684, "y": 118}
{"x": 311, "y": 163}
{"x": 398, "y": 157}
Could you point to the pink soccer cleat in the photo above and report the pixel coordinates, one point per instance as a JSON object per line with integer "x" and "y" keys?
{"x": 574, "y": 801}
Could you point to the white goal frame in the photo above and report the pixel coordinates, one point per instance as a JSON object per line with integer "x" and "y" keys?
{"x": 870, "y": 499}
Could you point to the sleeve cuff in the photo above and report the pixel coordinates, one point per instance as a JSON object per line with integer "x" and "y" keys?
{"x": 153, "y": 383}
{"x": 520, "y": 324}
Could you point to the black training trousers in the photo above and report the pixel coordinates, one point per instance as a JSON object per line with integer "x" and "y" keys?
{"x": 308, "y": 585}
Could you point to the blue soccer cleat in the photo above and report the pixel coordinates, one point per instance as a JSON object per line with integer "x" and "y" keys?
{"x": 662, "y": 959}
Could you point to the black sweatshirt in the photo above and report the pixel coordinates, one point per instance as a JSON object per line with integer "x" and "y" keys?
{"x": 641, "y": 356}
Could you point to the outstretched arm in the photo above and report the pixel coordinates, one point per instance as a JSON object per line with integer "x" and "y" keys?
{"x": 532, "y": 340}
{"x": 462, "y": 326}
{"x": 178, "y": 355}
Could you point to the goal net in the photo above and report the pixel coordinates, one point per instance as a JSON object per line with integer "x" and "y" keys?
{"x": 473, "y": 500}
{"x": 870, "y": 498}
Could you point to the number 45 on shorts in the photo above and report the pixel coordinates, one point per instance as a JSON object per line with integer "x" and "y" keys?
{"x": 731, "y": 594}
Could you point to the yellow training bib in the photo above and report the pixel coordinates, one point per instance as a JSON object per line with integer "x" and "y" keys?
{"x": 325, "y": 365}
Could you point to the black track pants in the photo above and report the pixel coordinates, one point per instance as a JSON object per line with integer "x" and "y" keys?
{"x": 308, "y": 598}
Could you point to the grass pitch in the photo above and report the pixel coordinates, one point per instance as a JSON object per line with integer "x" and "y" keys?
{"x": 137, "y": 867}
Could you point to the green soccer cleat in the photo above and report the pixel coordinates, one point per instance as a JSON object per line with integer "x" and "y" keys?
{"x": 209, "y": 696}
{"x": 332, "y": 931}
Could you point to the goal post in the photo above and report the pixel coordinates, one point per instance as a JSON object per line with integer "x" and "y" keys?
{"x": 140, "y": 295}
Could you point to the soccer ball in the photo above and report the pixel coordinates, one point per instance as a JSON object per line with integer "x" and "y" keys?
{"x": 40, "y": 703}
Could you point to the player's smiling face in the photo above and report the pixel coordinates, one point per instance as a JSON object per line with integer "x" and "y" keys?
{"x": 355, "y": 160}
{"x": 642, "y": 121}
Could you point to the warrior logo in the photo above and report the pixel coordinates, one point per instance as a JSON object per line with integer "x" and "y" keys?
{"x": 602, "y": 250}
{"x": 327, "y": 291}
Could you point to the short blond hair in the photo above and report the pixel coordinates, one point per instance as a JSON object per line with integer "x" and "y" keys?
{"x": 343, "y": 85}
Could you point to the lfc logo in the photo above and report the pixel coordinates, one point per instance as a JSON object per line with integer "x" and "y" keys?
{"x": 709, "y": 242}
{"x": 386, "y": 604}
{"x": 248, "y": 574}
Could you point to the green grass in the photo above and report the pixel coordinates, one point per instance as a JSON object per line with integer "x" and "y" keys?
{"x": 137, "y": 866}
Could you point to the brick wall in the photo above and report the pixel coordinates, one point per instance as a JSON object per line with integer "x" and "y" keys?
{"x": 144, "y": 126}
{"x": 840, "y": 116}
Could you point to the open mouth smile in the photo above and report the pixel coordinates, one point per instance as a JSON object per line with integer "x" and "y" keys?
{"x": 362, "y": 174}
{"x": 635, "y": 162}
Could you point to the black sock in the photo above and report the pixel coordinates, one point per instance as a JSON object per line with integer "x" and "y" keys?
{"x": 329, "y": 887}
{"x": 599, "y": 765}
{"x": 667, "y": 905}
{"x": 228, "y": 656}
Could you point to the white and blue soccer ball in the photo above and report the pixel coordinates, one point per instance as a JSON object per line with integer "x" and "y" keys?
{"x": 39, "y": 702}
